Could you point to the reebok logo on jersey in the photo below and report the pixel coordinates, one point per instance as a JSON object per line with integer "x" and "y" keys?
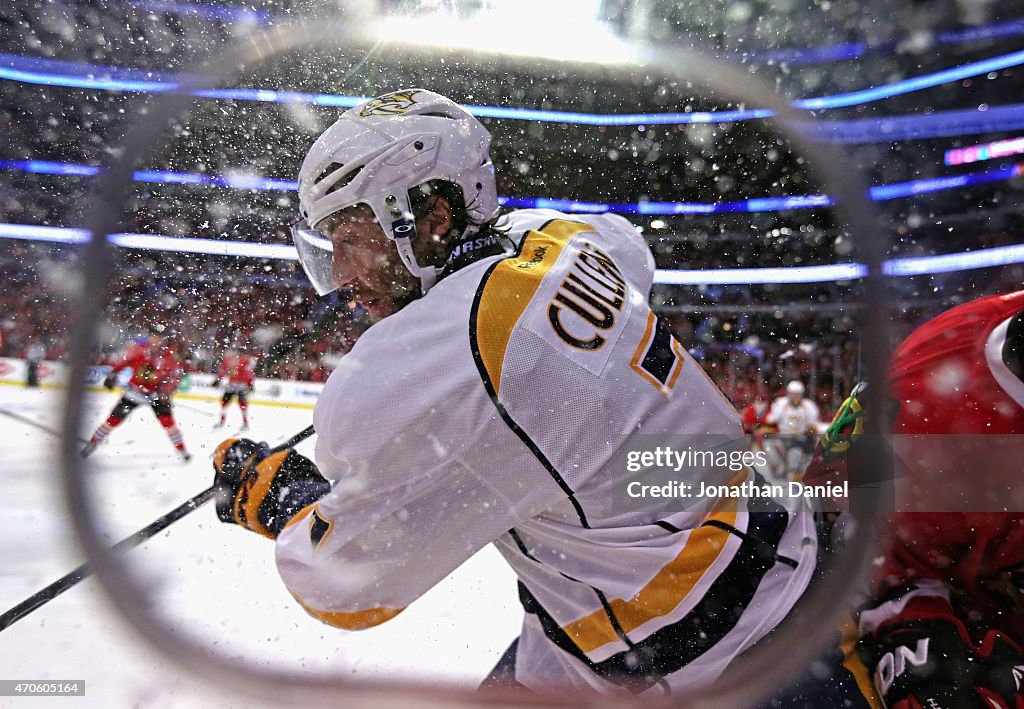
{"x": 536, "y": 260}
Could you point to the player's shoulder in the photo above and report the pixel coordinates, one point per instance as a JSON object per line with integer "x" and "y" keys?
{"x": 521, "y": 221}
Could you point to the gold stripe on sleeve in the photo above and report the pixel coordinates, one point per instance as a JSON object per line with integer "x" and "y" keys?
{"x": 355, "y": 620}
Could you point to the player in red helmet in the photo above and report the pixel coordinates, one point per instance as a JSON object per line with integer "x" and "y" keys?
{"x": 946, "y": 624}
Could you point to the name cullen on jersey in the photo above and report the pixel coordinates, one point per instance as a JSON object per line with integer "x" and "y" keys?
{"x": 588, "y": 300}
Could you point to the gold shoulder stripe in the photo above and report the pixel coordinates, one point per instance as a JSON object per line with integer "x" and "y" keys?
{"x": 356, "y": 620}
{"x": 666, "y": 590}
{"x": 511, "y": 286}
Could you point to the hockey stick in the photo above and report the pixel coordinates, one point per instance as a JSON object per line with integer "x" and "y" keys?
{"x": 195, "y": 409}
{"x": 30, "y": 422}
{"x": 65, "y": 582}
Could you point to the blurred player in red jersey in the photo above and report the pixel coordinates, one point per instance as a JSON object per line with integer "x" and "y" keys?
{"x": 238, "y": 371}
{"x": 946, "y": 622}
{"x": 156, "y": 373}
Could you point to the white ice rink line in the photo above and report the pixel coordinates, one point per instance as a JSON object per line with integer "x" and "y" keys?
{"x": 215, "y": 580}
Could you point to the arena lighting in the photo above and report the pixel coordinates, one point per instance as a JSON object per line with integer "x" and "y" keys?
{"x": 51, "y": 72}
{"x": 878, "y": 193}
{"x": 985, "y": 151}
{"x": 806, "y": 55}
{"x": 955, "y": 122}
{"x": 906, "y": 86}
{"x": 908, "y": 266}
{"x": 167, "y": 177}
{"x": 751, "y": 276}
{"x": 948, "y": 263}
{"x": 221, "y": 13}
{"x": 511, "y": 27}
{"x": 151, "y": 242}
{"x": 908, "y": 189}
{"x": 854, "y": 50}
{"x": 911, "y": 266}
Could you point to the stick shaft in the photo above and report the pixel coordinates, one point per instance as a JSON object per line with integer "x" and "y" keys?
{"x": 194, "y": 409}
{"x": 294, "y": 440}
{"x": 152, "y": 529}
{"x": 31, "y": 422}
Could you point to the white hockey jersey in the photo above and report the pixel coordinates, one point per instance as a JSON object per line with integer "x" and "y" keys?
{"x": 794, "y": 420}
{"x": 497, "y": 409}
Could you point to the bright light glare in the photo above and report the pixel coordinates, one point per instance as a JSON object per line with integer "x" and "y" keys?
{"x": 564, "y": 30}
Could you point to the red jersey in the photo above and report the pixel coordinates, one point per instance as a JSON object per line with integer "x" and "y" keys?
{"x": 238, "y": 369}
{"x": 961, "y": 373}
{"x": 753, "y": 416}
{"x": 959, "y": 378}
{"x": 152, "y": 373}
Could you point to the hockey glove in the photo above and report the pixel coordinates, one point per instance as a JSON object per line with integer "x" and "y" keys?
{"x": 931, "y": 661}
{"x": 262, "y": 492}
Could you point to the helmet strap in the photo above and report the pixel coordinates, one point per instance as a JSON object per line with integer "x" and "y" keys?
{"x": 426, "y": 274}
{"x": 402, "y": 225}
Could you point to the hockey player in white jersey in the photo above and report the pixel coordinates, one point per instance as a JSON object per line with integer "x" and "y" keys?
{"x": 797, "y": 419}
{"x": 515, "y": 363}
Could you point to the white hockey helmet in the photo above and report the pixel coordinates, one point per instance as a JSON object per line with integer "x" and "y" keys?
{"x": 795, "y": 387}
{"x": 373, "y": 155}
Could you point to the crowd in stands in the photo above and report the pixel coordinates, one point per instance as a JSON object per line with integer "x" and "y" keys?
{"x": 750, "y": 351}
{"x": 753, "y": 339}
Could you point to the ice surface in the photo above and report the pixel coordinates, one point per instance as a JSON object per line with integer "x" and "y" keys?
{"x": 215, "y": 581}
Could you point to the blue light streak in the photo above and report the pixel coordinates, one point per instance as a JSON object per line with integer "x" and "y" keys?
{"x": 912, "y": 266}
{"x": 48, "y": 72}
{"x": 878, "y": 193}
{"x": 151, "y": 242}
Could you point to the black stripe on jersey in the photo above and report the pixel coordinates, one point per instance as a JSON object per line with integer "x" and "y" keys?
{"x": 1013, "y": 347}
{"x": 763, "y": 548}
{"x": 489, "y": 385}
{"x": 660, "y": 359}
{"x": 673, "y": 647}
{"x": 608, "y": 611}
{"x": 522, "y": 547}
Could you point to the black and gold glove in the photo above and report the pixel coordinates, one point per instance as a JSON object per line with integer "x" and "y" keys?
{"x": 260, "y": 490}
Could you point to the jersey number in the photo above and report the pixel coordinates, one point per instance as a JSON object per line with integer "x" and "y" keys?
{"x": 659, "y": 357}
